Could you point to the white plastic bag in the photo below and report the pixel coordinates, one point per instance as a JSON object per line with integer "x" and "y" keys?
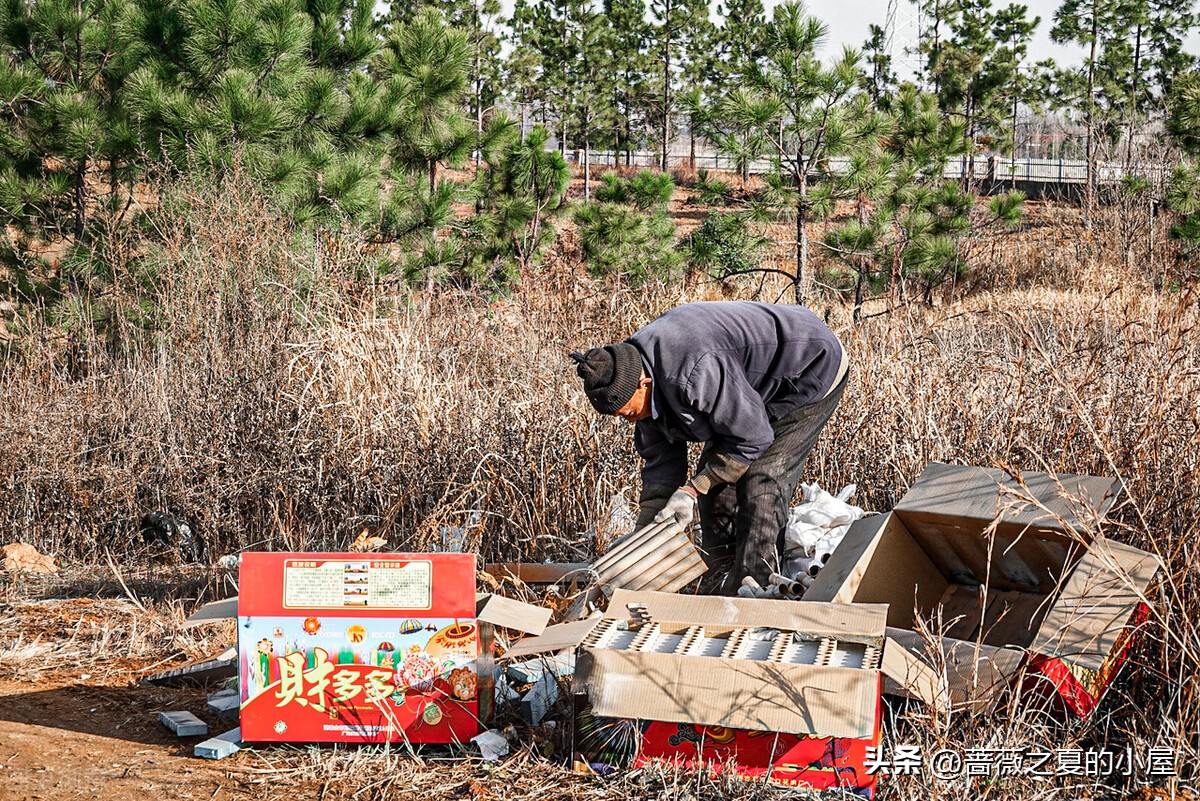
{"x": 815, "y": 528}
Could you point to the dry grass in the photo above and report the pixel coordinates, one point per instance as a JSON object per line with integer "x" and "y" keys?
{"x": 291, "y": 401}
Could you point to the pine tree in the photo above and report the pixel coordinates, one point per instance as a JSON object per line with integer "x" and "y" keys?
{"x": 680, "y": 66}
{"x": 63, "y": 76}
{"x": 630, "y": 72}
{"x": 913, "y": 224}
{"x": 272, "y": 85}
{"x": 425, "y": 66}
{"x": 701, "y": 69}
{"x": 971, "y": 66}
{"x": 1183, "y": 187}
{"x": 740, "y": 46}
{"x": 802, "y": 109}
{"x": 1014, "y": 30}
{"x": 1099, "y": 26}
{"x": 479, "y": 20}
{"x": 880, "y": 80}
{"x": 592, "y": 107}
{"x": 523, "y": 66}
{"x": 524, "y": 187}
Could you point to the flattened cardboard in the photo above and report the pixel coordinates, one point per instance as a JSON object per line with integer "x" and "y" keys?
{"x": 224, "y": 609}
{"x": 510, "y": 614}
{"x": 1092, "y": 610}
{"x": 554, "y": 638}
{"x": 738, "y": 694}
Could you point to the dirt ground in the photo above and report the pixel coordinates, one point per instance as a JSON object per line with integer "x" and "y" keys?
{"x": 65, "y": 738}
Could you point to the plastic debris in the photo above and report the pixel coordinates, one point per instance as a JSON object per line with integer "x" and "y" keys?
{"x": 492, "y": 744}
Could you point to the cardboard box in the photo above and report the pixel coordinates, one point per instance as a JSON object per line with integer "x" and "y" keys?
{"x": 367, "y": 648}
{"x": 786, "y": 689}
{"x": 991, "y": 581}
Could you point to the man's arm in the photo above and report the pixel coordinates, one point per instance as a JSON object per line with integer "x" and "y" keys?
{"x": 737, "y": 417}
{"x": 665, "y": 469}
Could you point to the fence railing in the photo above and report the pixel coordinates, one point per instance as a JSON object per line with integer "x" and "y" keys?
{"x": 994, "y": 168}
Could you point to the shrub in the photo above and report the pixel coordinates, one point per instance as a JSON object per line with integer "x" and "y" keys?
{"x": 646, "y": 190}
{"x": 622, "y": 240}
{"x": 725, "y": 244}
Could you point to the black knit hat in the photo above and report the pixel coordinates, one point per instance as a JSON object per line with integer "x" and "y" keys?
{"x": 610, "y": 375}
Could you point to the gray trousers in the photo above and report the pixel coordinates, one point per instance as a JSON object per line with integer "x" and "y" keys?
{"x": 742, "y": 524}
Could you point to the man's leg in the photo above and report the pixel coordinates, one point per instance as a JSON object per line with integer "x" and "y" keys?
{"x": 765, "y": 491}
{"x": 718, "y": 513}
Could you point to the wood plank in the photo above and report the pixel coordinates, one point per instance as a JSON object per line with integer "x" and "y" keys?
{"x": 535, "y": 572}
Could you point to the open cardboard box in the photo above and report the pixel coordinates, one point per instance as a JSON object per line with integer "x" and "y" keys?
{"x": 780, "y": 688}
{"x": 990, "y": 581}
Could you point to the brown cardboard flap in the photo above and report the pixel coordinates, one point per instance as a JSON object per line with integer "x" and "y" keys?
{"x": 842, "y": 574}
{"x": 225, "y": 609}
{"x": 1096, "y": 603}
{"x": 981, "y": 493}
{"x": 834, "y": 620}
{"x": 555, "y": 638}
{"x": 945, "y": 672}
{"x": 909, "y": 675}
{"x": 763, "y": 696}
{"x": 882, "y": 565}
{"x": 510, "y": 614}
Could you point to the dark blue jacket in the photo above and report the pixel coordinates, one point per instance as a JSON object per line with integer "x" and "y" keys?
{"x": 723, "y": 371}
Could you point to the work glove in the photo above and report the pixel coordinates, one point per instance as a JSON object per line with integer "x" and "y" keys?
{"x": 652, "y": 500}
{"x": 681, "y": 507}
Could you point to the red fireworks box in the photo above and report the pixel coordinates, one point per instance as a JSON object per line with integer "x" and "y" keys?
{"x": 1029, "y": 595}
{"x": 365, "y": 648}
{"x": 786, "y": 690}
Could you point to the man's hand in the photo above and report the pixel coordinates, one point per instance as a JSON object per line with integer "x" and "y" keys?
{"x": 681, "y": 507}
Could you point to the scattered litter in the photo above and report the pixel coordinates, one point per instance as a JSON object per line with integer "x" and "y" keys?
{"x": 815, "y": 528}
{"x": 224, "y": 609}
{"x": 224, "y": 704}
{"x": 183, "y": 723}
{"x": 505, "y": 694}
{"x": 20, "y": 557}
{"x": 204, "y": 671}
{"x": 366, "y": 542}
{"x": 529, "y": 671}
{"x": 492, "y": 744}
{"x": 537, "y": 702}
{"x": 229, "y": 561}
{"x": 222, "y": 746}
{"x": 162, "y": 530}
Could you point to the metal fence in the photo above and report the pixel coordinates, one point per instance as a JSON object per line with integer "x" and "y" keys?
{"x": 994, "y": 168}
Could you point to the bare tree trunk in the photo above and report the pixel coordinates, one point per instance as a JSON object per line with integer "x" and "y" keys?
{"x": 858, "y": 291}
{"x": 80, "y": 193}
{"x": 666, "y": 111}
{"x": 1092, "y": 178}
{"x": 802, "y": 277}
{"x": 587, "y": 168}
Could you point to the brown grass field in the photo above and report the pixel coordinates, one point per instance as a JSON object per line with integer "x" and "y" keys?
{"x": 287, "y": 400}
